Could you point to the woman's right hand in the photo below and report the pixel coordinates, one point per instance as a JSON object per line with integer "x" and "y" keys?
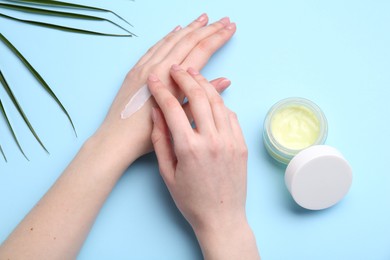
{"x": 205, "y": 167}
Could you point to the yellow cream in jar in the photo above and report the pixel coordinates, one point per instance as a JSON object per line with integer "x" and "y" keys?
{"x": 292, "y": 125}
{"x": 295, "y": 127}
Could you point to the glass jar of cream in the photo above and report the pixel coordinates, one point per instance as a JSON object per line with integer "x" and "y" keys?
{"x": 292, "y": 125}
{"x": 317, "y": 175}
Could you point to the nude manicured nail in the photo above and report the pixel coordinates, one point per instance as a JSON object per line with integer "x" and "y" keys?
{"x": 225, "y": 20}
{"x": 193, "y": 71}
{"x": 224, "y": 84}
{"x": 176, "y": 67}
{"x": 230, "y": 26}
{"x": 201, "y": 18}
{"x": 177, "y": 28}
{"x": 153, "y": 78}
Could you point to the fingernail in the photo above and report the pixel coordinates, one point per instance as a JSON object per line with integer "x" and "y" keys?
{"x": 224, "y": 84}
{"x": 176, "y": 67}
{"x": 154, "y": 115}
{"x": 225, "y": 20}
{"x": 230, "y": 26}
{"x": 177, "y": 28}
{"x": 202, "y": 18}
{"x": 153, "y": 78}
{"x": 193, "y": 71}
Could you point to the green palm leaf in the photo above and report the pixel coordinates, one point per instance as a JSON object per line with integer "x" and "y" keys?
{"x": 62, "y": 28}
{"x": 2, "y": 110}
{"x": 2, "y": 152}
{"x": 36, "y": 10}
{"x": 37, "y": 76}
{"x": 52, "y": 3}
{"x": 33, "y": 6}
{"x": 19, "y": 108}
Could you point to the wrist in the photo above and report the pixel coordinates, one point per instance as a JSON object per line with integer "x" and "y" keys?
{"x": 234, "y": 240}
{"x": 126, "y": 139}
{"x": 109, "y": 152}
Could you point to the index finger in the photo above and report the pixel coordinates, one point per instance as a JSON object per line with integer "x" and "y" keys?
{"x": 173, "y": 112}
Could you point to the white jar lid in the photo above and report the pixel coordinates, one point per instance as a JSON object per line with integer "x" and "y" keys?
{"x": 318, "y": 177}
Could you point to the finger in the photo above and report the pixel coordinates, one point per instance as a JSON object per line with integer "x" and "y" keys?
{"x": 236, "y": 128}
{"x": 155, "y": 47}
{"x": 207, "y": 47}
{"x": 220, "y": 84}
{"x": 191, "y": 40}
{"x": 162, "y": 48}
{"x": 163, "y": 147}
{"x": 173, "y": 112}
{"x": 197, "y": 99}
{"x": 218, "y": 108}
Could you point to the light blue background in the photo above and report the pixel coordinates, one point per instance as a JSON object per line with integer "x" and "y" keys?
{"x": 335, "y": 53}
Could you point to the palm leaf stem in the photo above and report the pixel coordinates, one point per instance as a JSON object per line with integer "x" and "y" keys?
{"x": 2, "y": 110}
{"x": 62, "y": 28}
{"x": 70, "y": 5}
{"x": 36, "y": 10}
{"x": 19, "y": 108}
{"x": 38, "y": 77}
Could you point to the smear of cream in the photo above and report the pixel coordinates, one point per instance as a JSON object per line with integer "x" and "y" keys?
{"x": 136, "y": 102}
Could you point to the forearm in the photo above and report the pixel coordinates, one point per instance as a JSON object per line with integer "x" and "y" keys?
{"x": 59, "y": 223}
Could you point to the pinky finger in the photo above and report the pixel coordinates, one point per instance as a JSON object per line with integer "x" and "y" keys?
{"x": 220, "y": 84}
{"x": 236, "y": 128}
{"x": 163, "y": 147}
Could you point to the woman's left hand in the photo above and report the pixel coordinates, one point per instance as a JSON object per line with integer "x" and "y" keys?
{"x": 128, "y": 139}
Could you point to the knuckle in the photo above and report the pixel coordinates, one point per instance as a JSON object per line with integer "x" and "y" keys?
{"x": 151, "y": 50}
{"x": 203, "y": 81}
{"x": 205, "y": 46}
{"x": 196, "y": 93}
{"x": 187, "y": 147}
{"x": 143, "y": 71}
{"x": 215, "y": 146}
{"x": 170, "y": 38}
{"x": 170, "y": 103}
{"x": 244, "y": 152}
{"x": 196, "y": 24}
{"x": 208, "y": 45}
{"x": 233, "y": 115}
{"x": 217, "y": 100}
{"x": 217, "y": 25}
{"x": 223, "y": 35}
{"x": 196, "y": 36}
{"x": 157, "y": 69}
{"x": 192, "y": 38}
{"x": 138, "y": 74}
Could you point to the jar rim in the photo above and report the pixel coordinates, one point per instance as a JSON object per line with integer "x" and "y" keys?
{"x": 278, "y": 151}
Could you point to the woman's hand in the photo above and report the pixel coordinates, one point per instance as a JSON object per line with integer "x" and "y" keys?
{"x": 58, "y": 225}
{"x": 127, "y": 139}
{"x": 204, "y": 167}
